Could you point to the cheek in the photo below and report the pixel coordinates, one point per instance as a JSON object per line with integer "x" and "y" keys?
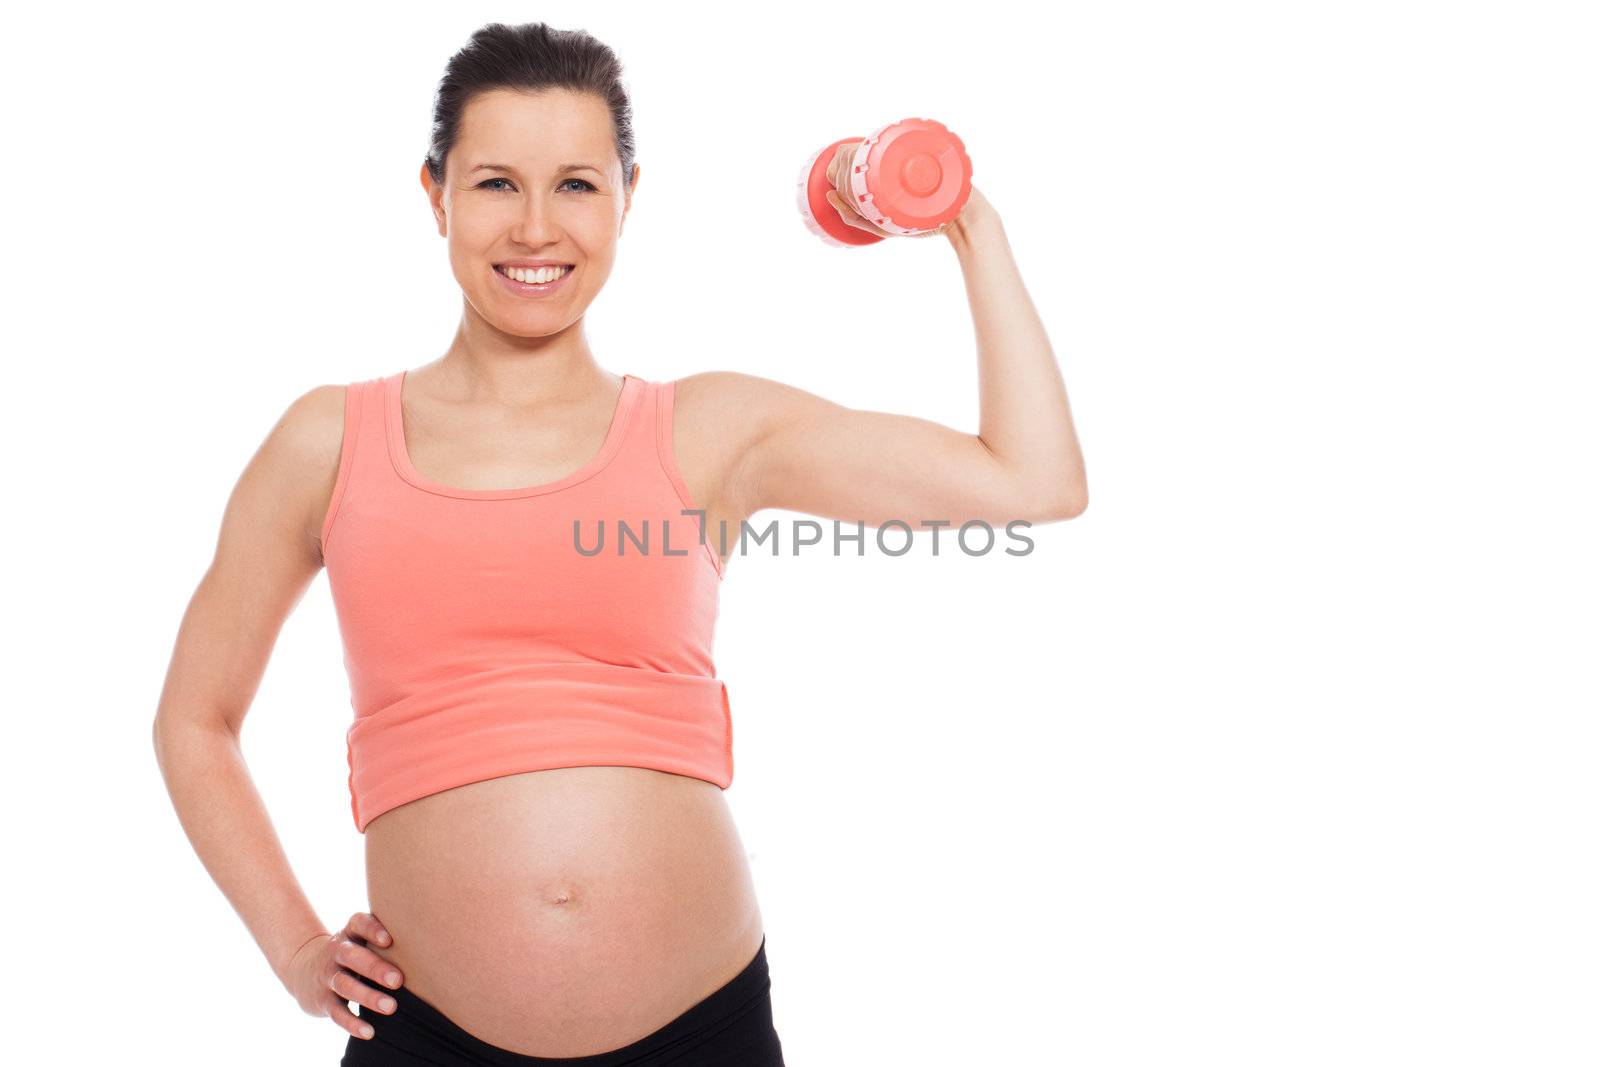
{"x": 464, "y": 259}
{"x": 471, "y": 250}
{"x": 598, "y": 238}
{"x": 474, "y": 230}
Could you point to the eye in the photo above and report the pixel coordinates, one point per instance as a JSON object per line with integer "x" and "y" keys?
{"x": 580, "y": 181}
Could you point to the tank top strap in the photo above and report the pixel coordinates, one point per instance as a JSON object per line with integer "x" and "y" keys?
{"x": 363, "y": 452}
{"x": 645, "y": 476}
{"x": 664, "y": 401}
{"x": 645, "y": 457}
{"x": 635, "y": 438}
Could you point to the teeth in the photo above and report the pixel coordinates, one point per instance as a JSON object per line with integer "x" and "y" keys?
{"x": 531, "y": 277}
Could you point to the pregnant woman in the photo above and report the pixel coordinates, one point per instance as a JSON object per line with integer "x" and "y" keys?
{"x": 540, "y": 741}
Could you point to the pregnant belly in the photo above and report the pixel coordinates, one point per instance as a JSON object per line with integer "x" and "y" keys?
{"x": 565, "y": 912}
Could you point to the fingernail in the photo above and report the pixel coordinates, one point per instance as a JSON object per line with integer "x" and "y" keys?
{"x": 366, "y": 1031}
{"x": 394, "y": 978}
{"x": 383, "y": 935}
{"x": 386, "y": 1003}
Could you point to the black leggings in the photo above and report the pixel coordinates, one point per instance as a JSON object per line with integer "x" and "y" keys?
{"x": 730, "y": 1028}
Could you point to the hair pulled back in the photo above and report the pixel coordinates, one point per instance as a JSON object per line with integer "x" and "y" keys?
{"x": 531, "y": 57}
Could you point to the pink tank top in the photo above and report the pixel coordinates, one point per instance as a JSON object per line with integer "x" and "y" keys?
{"x": 480, "y": 641}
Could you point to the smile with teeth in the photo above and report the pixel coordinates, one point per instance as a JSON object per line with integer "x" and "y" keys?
{"x": 529, "y": 276}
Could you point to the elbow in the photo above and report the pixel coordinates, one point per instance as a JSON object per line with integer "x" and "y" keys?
{"x": 1069, "y": 501}
{"x": 1052, "y": 498}
{"x": 172, "y": 731}
{"x": 1072, "y": 506}
{"x": 160, "y": 730}
{"x": 1041, "y": 508}
{"x": 158, "y": 742}
{"x": 1054, "y": 492}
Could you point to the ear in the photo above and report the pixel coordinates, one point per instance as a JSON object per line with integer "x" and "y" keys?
{"x": 435, "y": 198}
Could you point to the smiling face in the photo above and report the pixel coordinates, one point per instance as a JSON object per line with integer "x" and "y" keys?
{"x": 531, "y": 178}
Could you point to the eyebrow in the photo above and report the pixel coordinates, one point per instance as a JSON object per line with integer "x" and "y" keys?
{"x": 565, "y": 168}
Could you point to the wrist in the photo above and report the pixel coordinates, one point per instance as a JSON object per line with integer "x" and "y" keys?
{"x": 283, "y": 965}
{"x": 977, "y": 219}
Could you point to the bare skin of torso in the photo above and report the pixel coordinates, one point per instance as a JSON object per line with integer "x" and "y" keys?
{"x": 572, "y": 911}
{"x": 565, "y": 912}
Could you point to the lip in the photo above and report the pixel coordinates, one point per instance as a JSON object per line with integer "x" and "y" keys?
{"x": 517, "y": 288}
{"x": 523, "y": 261}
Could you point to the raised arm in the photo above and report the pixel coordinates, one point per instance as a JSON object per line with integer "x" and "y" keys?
{"x": 266, "y": 556}
{"x": 800, "y": 452}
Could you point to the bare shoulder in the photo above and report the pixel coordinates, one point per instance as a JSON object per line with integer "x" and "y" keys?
{"x": 743, "y": 407}
{"x": 310, "y": 433}
{"x": 291, "y": 477}
{"x": 722, "y": 421}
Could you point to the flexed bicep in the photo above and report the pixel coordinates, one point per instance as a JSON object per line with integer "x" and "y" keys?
{"x": 809, "y": 454}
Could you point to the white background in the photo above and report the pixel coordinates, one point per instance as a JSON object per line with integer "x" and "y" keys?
{"x": 1283, "y": 753}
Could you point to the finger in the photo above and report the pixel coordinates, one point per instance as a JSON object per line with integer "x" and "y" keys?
{"x": 367, "y": 925}
{"x": 844, "y": 193}
{"x": 845, "y": 213}
{"x": 364, "y": 961}
{"x": 350, "y": 987}
{"x": 841, "y": 178}
{"x": 340, "y": 1013}
{"x": 848, "y": 212}
{"x": 839, "y": 166}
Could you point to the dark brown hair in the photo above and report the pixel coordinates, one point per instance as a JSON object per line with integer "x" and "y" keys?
{"x": 529, "y": 58}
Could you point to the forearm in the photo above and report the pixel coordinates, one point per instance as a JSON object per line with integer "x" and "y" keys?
{"x": 228, "y": 825}
{"x": 1024, "y": 417}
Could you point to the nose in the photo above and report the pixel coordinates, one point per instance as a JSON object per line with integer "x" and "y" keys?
{"x": 535, "y": 225}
